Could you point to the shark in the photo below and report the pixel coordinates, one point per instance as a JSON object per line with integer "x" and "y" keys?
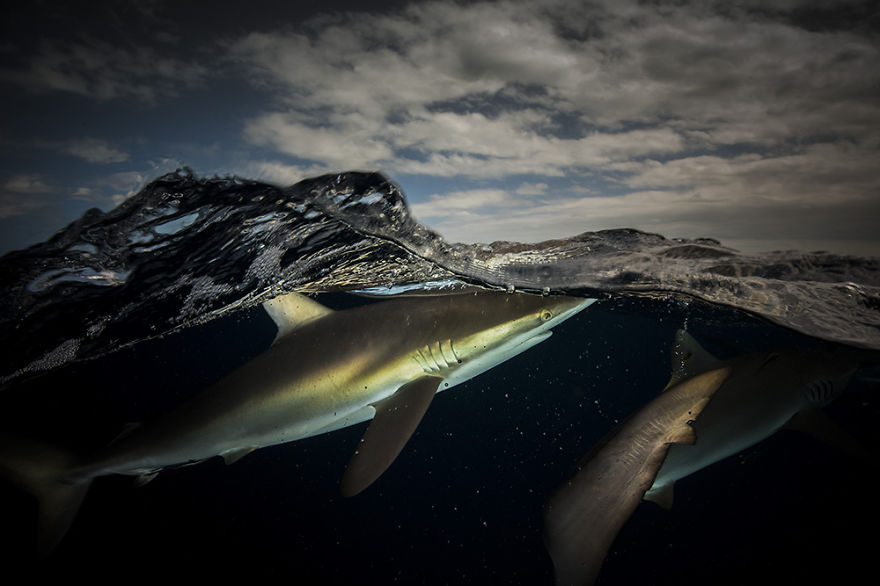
{"x": 327, "y": 369}
{"x": 584, "y": 515}
{"x": 765, "y": 392}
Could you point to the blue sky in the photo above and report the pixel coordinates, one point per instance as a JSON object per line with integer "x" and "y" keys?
{"x": 754, "y": 123}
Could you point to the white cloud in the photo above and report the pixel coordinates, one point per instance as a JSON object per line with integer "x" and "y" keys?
{"x": 822, "y": 197}
{"x": 532, "y": 189}
{"x": 280, "y": 173}
{"x": 86, "y": 194}
{"x": 346, "y": 145}
{"x": 462, "y": 204}
{"x": 687, "y": 113}
{"x": 753, "y": 226}
{"x": 123, "y": 185}
{"x": 94, "y": 151}
{"x": 393, "y": 90}
{"x": 365, "y": 92}
{"x": 26, "y": 184}
{"x": 839, "y": 172}
{"x": 22, "y": 193}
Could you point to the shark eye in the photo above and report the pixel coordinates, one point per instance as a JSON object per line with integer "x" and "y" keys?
{"x": 546, "y": 315}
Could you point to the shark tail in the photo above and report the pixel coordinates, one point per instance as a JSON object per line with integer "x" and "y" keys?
{"x": 44, "y": 471}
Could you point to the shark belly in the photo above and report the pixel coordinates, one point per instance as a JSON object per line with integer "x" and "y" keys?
{"x": 742, "y": 414}
{"x": 713, "y": 445}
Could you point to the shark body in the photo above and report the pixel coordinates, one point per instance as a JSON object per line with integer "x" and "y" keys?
{"x": 765, "y": 391}
{"x": 326, "y": 370}
{"x": 584, "y": 516}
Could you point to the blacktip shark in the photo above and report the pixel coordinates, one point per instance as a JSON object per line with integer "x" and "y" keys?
{"x": 764, "y": 393}
{"x": 584, "y": 516}
{"x": 326, "y": 370}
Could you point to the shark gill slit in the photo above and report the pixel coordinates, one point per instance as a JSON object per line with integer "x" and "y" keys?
{"x": 437, "y": 354}
{"x": 448, "y": 352}
{"x": 436, "y": 357}
{"x": 821, "y": 391}
{"x": 426, "y": 360}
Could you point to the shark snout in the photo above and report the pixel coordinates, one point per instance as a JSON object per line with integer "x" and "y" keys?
{"x": 566, "y": 308}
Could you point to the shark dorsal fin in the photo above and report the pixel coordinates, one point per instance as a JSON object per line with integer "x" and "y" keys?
{"x": 293, "y": 310}
{"x": 689, "y": 358}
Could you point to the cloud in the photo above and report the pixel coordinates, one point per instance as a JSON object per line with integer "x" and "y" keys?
{"x": 280, "y": 173}
{"x": 26, "y": 184}
{"x": 752, "y": 226}
{"x": 532, "y": 189}
{"x": 543, "y": 118}
{"x": 455, "y": 205}
{"x": 405, "y": 93}
{"x": 113, "y": 189}
{"x": 666, "y": 116}
{"x": 86, "y": 194}
{"x": 103, "y": 71}
{"x": 419, "y": 91}
{"x": 22, "y": 193}
{"x": 824, "y": 172}
{"x": 824, "y": 195}
{"x": 94, "y": 151}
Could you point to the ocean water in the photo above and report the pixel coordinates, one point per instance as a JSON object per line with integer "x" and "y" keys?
{"x": 122, "y": 315}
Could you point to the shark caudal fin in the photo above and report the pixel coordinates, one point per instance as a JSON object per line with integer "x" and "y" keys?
{"x": 41, "y": 470}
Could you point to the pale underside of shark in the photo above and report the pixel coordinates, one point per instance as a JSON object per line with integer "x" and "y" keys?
{"x": 326, "y": 370}
{"x": 765, "y": 392}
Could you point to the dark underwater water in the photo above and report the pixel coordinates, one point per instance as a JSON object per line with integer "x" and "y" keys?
{"x": 462, "y": 503}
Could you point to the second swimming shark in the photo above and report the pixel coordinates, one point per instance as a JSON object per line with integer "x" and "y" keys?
{"x": 583, "y": 517}
{"x": 765, "y": 392}
{"x": 326, "y": 370}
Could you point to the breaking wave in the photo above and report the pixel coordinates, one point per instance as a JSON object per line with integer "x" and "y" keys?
{"x": 186, "y": 250}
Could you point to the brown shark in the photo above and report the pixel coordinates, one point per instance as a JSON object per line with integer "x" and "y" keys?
{"x": 584, "y": 516}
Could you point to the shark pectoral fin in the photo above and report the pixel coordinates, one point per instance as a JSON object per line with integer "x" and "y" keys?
{"x": 663, "y": 496}
{"x": 292, "y": 311}
{"x": 233, "y": 456}
{"x": 395, "y": 420}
